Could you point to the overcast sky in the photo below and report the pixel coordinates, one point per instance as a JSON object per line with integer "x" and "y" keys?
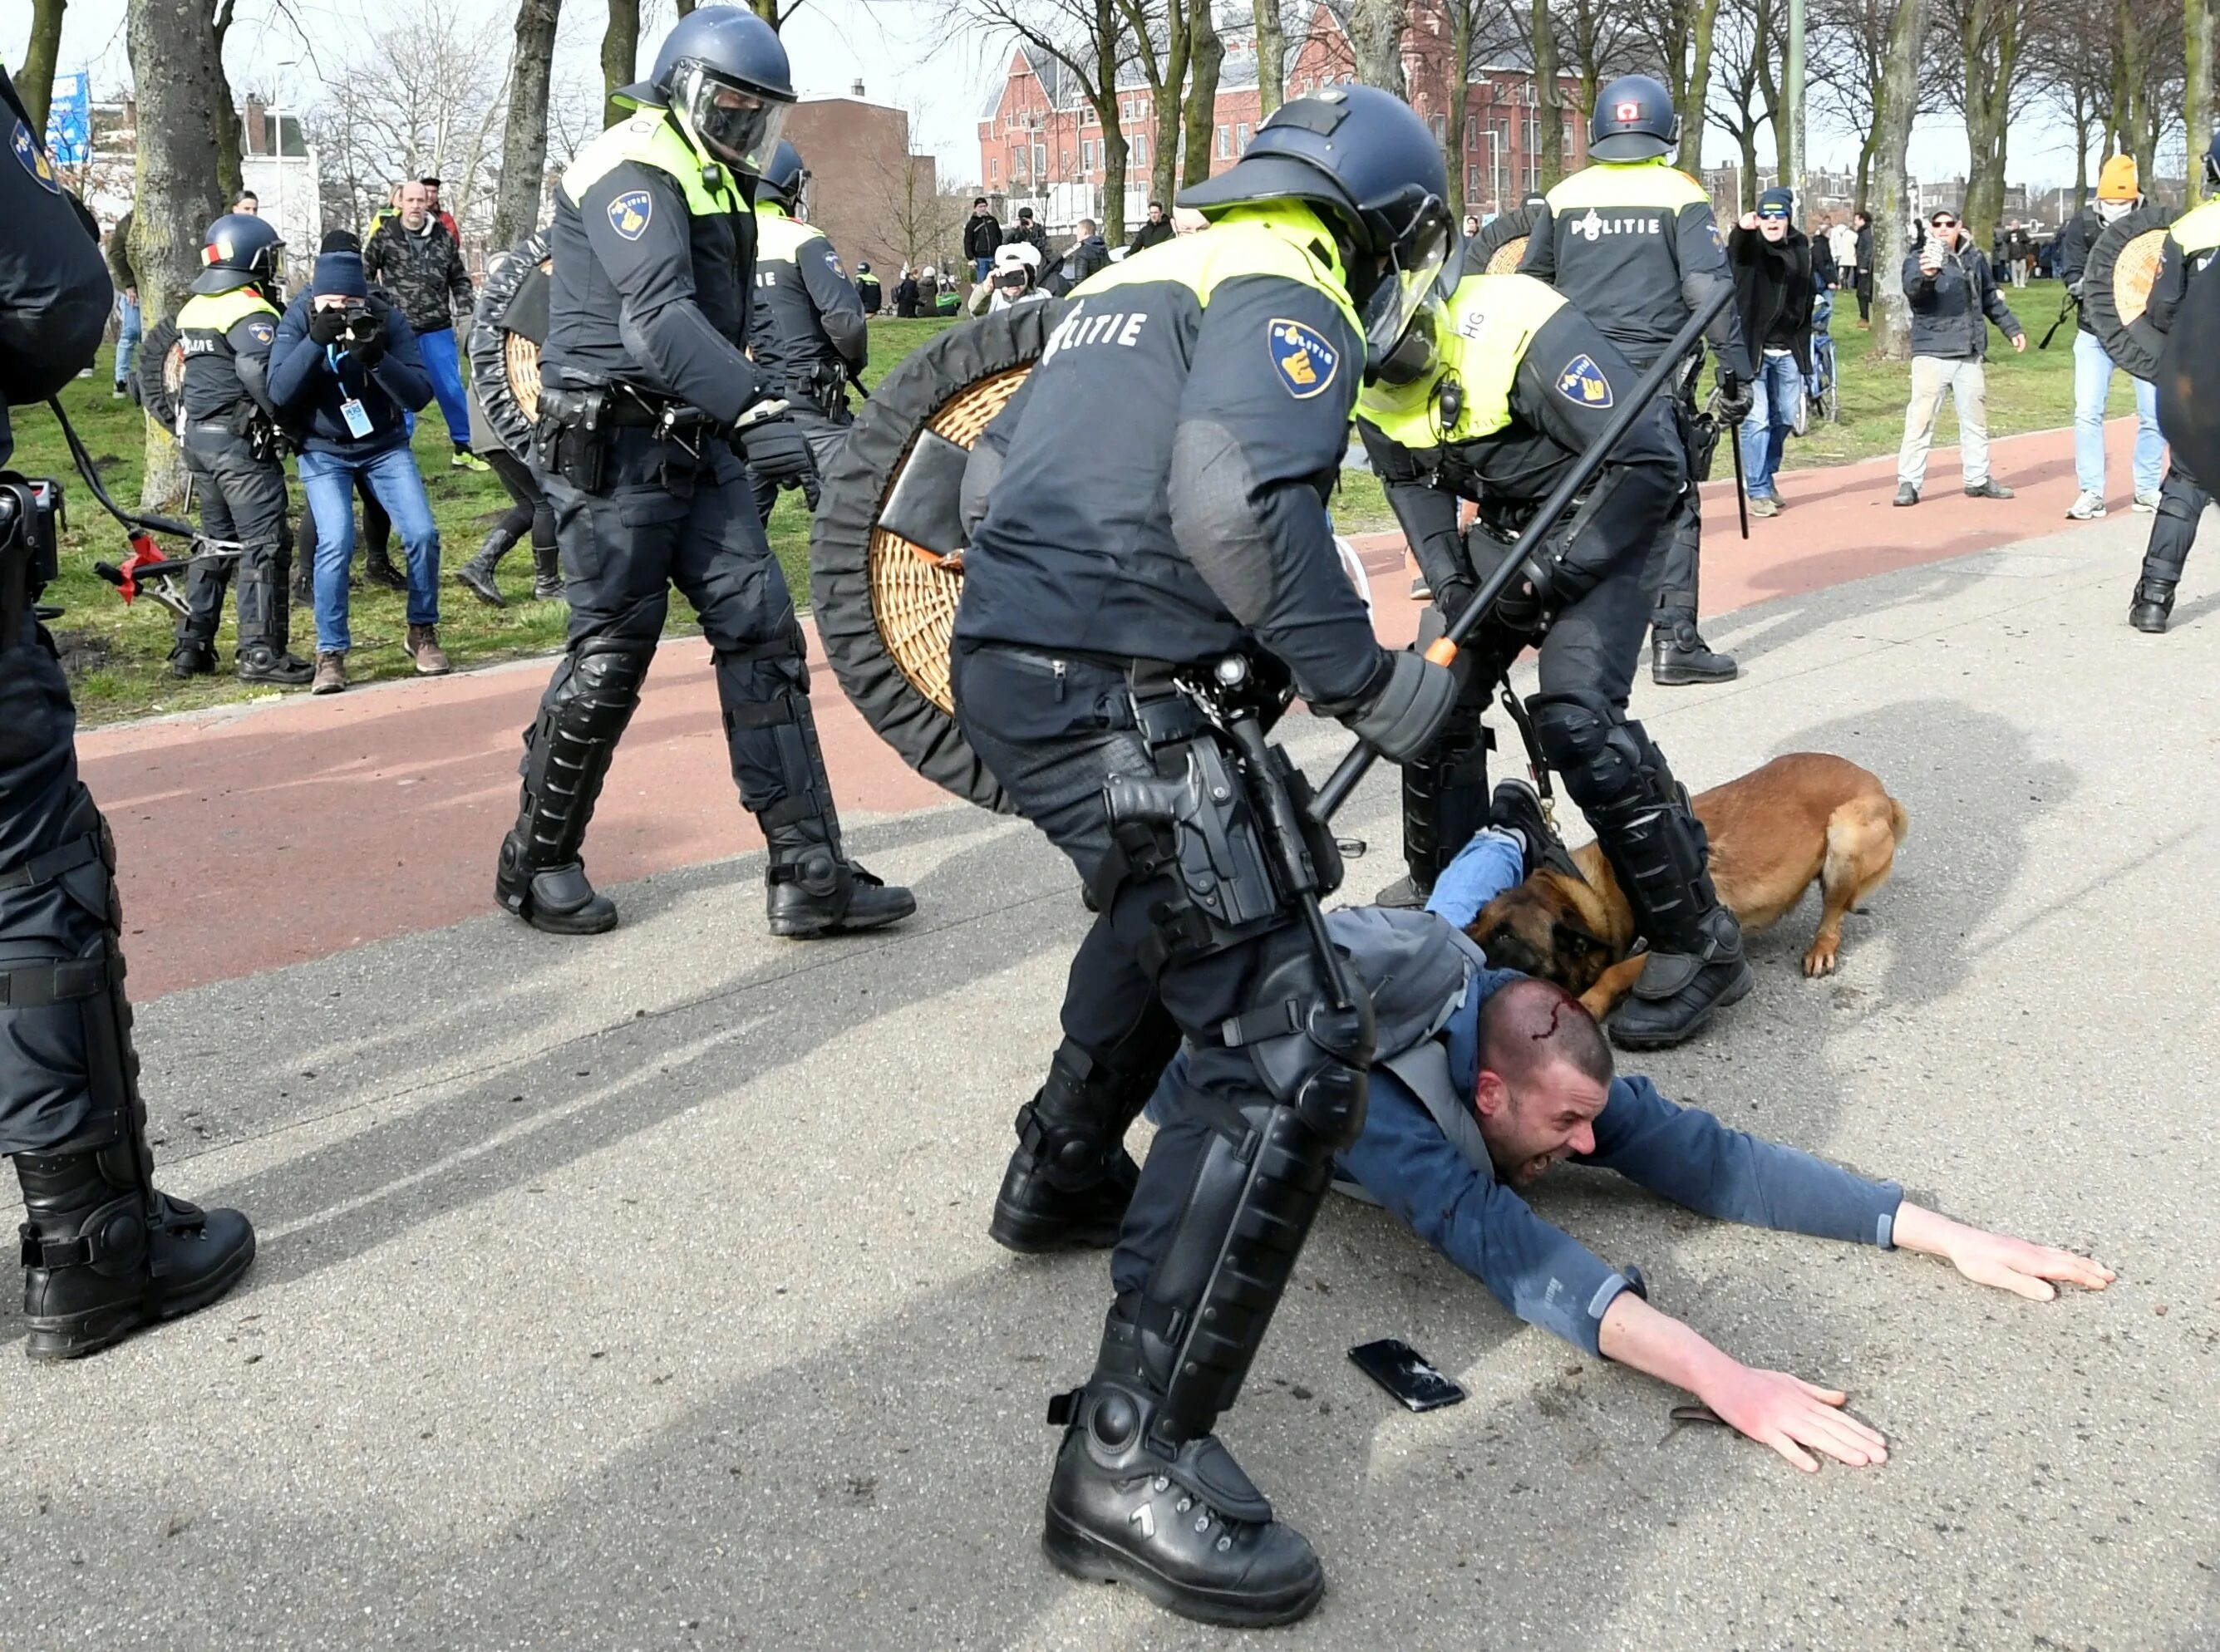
{"x": 903, "y": 51}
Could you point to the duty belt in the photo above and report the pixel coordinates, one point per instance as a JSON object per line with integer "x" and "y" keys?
{"x": 39, "y": 985}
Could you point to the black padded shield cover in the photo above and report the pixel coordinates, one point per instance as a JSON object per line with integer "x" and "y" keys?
{"x": 2116, "y": 286}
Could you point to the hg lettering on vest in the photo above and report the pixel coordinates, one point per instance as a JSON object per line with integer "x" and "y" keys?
{"x": 1595, "y": 226}
{"x": 1120, "y": 327}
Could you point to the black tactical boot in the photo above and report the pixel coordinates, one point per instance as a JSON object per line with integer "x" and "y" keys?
{"x": 546, "y": 573}
{"x": 377, "y": 568}
{"x": 809, "y": 890}
{"x": 1035, "y": 1213}
{"x": 559, "y": 900}
{"x": 1517, "y": 807}
{"x": 191, "y": 659}
{"x": 1177, "y": 1520}
{"x": 1679, "y": 654}
{"x": 1677, "y": 990}
{"x": 259, "y": 662}
{"x": 476, "y": 574}
{"x": 2152, "y": 606}
{"x": 1070, "y": 1178}
{"x": 105, "y": 1251}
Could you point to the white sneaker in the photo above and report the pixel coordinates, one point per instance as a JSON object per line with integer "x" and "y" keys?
{"x": 2086, "y": 507}
{"x": 2147, "y": 503}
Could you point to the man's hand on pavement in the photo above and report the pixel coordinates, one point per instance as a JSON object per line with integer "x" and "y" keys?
{"x": 1997, "y": 1259}
{"x": 1788, "y": 1414}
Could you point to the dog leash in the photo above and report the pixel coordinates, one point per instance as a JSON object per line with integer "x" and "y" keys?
{"x": 1555, "y": 855}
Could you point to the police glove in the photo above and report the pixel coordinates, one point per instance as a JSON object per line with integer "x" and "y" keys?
{"x": 1453, "y": 597}
{"x": 1736, "y": 399}
{"x": 775, "y": 452}
{"x": 1407, "y": 709}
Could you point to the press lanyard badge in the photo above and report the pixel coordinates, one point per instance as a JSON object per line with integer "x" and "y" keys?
{"x": 357, "y": 421}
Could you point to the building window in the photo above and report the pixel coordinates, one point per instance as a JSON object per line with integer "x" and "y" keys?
{"x": 1471, "y": 185}
{"x": 1440, "y": 123}
{"x": 1040, "y": 161}
{"x": 1141, "y": 149}
{"x": 1241, "y": 139}
{"x": 1225, "y": 142}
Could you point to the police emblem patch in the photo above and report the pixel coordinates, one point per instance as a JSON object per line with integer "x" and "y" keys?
{"x": 261, "y": 331}
{"x": 630, "y": 212}
{"x": 33, "y": 155}
{"x": 1304, "y": 359}
{"x": 1581, "y": 381}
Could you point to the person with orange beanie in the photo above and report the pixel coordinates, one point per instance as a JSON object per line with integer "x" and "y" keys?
{"x": 2119, "y": 192}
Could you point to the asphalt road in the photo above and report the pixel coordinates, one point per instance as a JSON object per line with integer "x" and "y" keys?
{"x": 636, "y": 1292}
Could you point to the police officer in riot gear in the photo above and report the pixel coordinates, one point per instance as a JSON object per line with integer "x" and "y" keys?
{"x": 1125, "y": 569}
{"x": 2193, "y": 241}
{"x": 104, "y": 1250}
{"x": 645, "y": 388}
{"x": 1521, "y": 384}
{"x": 228, "y": 430}
{"x": 1630, "y": 240}
{"x": 806, "y": 326}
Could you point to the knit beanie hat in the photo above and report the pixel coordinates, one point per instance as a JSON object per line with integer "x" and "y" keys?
{"x": 341, "y": 274}
{"x": 2118, "y": 181}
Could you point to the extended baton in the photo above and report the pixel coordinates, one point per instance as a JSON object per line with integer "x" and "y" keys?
{"x": 1352, "y": 769}
{"x": 1733, "y": 435}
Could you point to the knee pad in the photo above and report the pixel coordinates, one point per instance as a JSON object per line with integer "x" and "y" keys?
{"x": 1310, "y": 1055}
{"x": 1603, "y": 760}
{"x": 604, "y": 686}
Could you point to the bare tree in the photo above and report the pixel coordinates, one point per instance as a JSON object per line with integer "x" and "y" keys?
{"x": 2197, "y": 61}
{"x": 229, "y": 175}
{"x": 619, "y": 56}
{"x": 1677, "y": 37}
{"x": 1849, "y": 58}
{"x": 1899, "y": 103}
{"x": 1160, "y": 34}
{"x": 1206, "y": 55}
{"x": 1087, "y": 38}
{"x": 1272, "y": 55}
{"x": 1376, "y": 33}
{"x": 177, "y": 69}
{"x": 36, "y": 85}
{"x": 2147, "y": 52}
{"x": 1598, "y": 39}
{"x": 1747, "y": 96}
{"x": 1548, "y": 92}
{"x": 524, "y": 140}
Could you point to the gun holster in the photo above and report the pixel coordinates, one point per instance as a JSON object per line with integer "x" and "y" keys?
{"x": 571, "y": 436}
{"x": 29, "y": 514}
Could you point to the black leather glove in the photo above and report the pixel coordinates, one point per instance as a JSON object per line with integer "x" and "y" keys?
{"x": 1736, "y": 399}
{"x": 1453, "y": 597}
{"x": 326, "y": 326}
{"x": 1523, "y": 604}
{"x": 1407, "y": 709}
{"x": 366, "y": 341}
{"x": 775, "y": 450}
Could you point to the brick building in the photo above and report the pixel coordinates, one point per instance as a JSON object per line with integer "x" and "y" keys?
{"x": 1040, "y": 143}
{"x": 870, "y": 195}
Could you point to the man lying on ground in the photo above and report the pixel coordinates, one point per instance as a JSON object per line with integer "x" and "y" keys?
{"x": 1483, "y": 1079}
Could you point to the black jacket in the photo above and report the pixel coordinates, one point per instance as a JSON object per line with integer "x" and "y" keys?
{"x": 1083, "y": 261}
{"x": 905, "y": 298}
{"x": 1866, "y": 251}
{"x": 1151, "y": 235}
{"x": 981, "y": 236}
{"x": 2071, "y": 256}
{"x": 425, "y": 271}
{"x": 310, "y": 384}
{"x": 1031, "y": 232}
{"x": 1773, "y": 282}
{"x": 1949, "y": 308}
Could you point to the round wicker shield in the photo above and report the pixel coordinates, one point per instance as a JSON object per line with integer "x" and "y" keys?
{"x": 161, "y": 373}
{"x": 1500, "y": 244}
{"x": 2116, "y": 286}
{"x": 521, "y": 356}
{"x": 885, "y": 554}
{"x": 507, "y": 328}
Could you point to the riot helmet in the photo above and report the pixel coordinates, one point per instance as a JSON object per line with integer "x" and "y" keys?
{"x": 239, "y": 250}
{"x": 1366, "y": 163}
{"x": 723, "y": 72}
{"x": 1634, "y": 120}
{"x": 783, "y": 176}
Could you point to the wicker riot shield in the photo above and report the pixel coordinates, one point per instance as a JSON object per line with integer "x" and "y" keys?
{"x": 2116, "y": 286}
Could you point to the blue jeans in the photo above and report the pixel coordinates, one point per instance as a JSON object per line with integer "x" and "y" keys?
{"x": 329, "y": 480}
{"x": 438, "y": 350}
{"x": 1772, "y": 411}
{"x": 981, "y": 268}
{"x": 2093, "y": 383}
{"x": 129, "y": 329}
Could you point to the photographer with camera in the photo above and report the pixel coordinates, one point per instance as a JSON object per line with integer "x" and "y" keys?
{"x": 104, "y": 1250}
{"x": 344, "y": 369}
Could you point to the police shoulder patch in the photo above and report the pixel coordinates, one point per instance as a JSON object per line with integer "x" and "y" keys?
{"x": 261, "y": 331}
{"x": 33, "y": 156}
{"x": 1303, "y": 357}
{"x": 630, "y": 212}
{"x": 1583, "y": 382}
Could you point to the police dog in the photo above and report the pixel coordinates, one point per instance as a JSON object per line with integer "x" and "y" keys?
{"x": 1804, "y": 816}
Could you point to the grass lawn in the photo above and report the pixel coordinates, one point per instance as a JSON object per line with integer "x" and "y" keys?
{"x": 115, "y": 655}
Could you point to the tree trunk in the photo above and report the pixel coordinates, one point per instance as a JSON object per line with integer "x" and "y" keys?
{"x": 1375, "y": 34}
{"x": 619, "y": 56}
{"x": 1898, "y": 102}
{"x": 1108, "y": 42}
{"x": 2085, "y": 121}
{"x": 1459, "y": 116}
{"x": 179, "y": 73}
{"x": 1990, "y": 61}
{"x": 36, "y": 85}
{"x": 1862, "y": 202}
{"x": 1690, "y": 157}
{"x": 230, "y": 178}
{"x": 1206, "y": 52}
{"x": 1746, "y": 140}
{"x": 2197, "y": 49}
{"x": 1271, "y": 56}
{"x": 1548, "y": 105}
{"x": 524, "y": 139}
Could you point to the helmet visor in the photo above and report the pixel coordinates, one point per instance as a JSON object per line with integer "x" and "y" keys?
{"x": 738, "y": 126}
{"x": 1421, "y": 236}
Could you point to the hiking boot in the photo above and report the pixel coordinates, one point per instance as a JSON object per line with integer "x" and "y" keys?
{"x": 263, "y": 664}
{"x": 193, "y": 659}
{"x": 1907, "y": 494}
{"x": 1991, "y": 489}
{"x": 810, "y": 891}
{"x": 424, "y": 648}
{"x": 2089, "y": 507}
{"x": 331, "y": 671}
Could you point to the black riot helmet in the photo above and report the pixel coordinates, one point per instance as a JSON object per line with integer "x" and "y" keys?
{"x": 783, "y": 176}
{"x": 239, "y": 250}
{"x": 723, "y": 72}
{"x": 1634, "y": 120}
{"x": 1365, "y": 162}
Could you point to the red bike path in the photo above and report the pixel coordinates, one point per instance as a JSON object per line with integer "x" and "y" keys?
{"x": 253, "y": 836}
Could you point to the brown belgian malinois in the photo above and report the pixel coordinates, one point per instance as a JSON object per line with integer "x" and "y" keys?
{"x": 1804, "y": 816}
